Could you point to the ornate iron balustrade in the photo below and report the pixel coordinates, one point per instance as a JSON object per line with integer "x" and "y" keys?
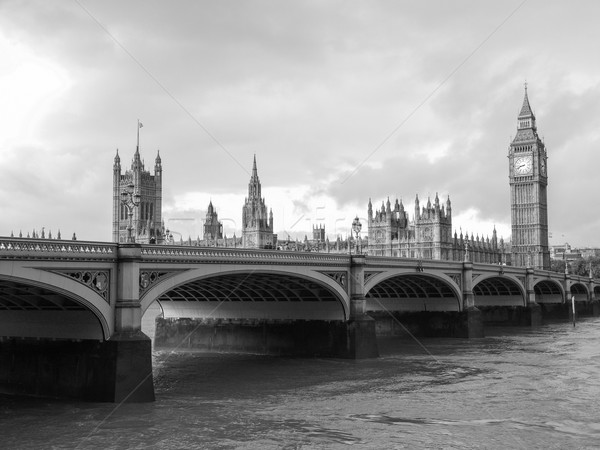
{"x": 175, "y": 253}
{"x": 51, "y": 249}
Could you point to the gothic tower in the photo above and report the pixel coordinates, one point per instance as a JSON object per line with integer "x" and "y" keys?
{"x": 147, "y": 216}
{"x": 257, "y": 224}
{"x": 213, "y": 229}
{"x": 528, "y": 179}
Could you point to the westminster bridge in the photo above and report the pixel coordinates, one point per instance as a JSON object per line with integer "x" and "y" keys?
{"x": 71, "y": 311}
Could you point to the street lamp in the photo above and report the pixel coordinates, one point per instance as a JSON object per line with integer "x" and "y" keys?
{"x": 356, "y": 226}
{"x": 131, "y": 200}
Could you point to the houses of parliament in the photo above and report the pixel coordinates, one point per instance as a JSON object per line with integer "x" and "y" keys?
{"x": 391, "y": 230}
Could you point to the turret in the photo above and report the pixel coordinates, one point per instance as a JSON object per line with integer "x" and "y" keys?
{"x": 136, "y": 164}
{"x": 117, "y": 164}
{"x": 417, "y": 212}
{"x": 157, "y": 163}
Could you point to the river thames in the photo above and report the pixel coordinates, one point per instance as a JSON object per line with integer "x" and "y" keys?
{"x": 515, "y": 388}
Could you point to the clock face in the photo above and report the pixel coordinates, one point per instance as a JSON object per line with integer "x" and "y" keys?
{"x": 543, "y": 167}
{"x": 523, "y": 165}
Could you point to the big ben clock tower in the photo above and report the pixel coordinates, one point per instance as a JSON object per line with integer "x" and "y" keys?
{"x": 529, "y": 204}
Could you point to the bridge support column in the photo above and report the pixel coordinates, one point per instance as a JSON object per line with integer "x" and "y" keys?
{"x": 474, "y": 317}
{"x": 360, "y": 329}
{"x": 595, "y": 308}
{"x": 533, "y": 309}
{"x": 129, "y": 351}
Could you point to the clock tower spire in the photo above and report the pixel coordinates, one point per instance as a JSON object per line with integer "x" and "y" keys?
{"x": 528, "y": 180}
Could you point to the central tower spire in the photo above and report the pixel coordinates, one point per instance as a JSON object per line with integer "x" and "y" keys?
{"x": 257, "y": 223}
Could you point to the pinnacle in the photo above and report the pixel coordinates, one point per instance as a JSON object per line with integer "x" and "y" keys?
{"x": 526, "y": 108}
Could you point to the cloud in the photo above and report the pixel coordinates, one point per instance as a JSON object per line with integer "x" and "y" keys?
{"x": 431, "y": 90}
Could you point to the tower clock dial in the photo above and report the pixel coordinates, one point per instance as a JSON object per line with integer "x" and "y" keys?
{"x": 523, "y": 165}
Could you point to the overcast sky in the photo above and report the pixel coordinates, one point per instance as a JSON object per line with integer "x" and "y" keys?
{"x": 341, "y": 101}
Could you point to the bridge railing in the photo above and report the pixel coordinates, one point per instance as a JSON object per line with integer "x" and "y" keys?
{"x": 26, "y": 248}
{"x": 178, "y": 253}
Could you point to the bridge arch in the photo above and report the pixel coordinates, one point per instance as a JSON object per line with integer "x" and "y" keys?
{"x": 579, "y": 291}
{"x": 412, "y": 291}
{"x": 548, "y": 291}
{"x": 498, "y": 290}
{"x": 49, "y": 305}
{"x": 248, "y": 293}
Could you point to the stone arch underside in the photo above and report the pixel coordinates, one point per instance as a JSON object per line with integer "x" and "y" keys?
{"x": 412, "y": 292}
{"x": 579, "y": 291}
{"x": 498, "y": 291}
{"x": 29, "y": 310}
{"x": 548, "y": 291}
{"x": 253, "y": 295}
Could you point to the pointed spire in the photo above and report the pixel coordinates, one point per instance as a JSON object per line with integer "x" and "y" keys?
{"x": 526, "y": 108}
{"x": 117, "y": 159}
{"x": 254, "y": 170}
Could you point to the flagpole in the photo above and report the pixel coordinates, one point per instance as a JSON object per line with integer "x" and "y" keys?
{"x": 573, "y": 306}
{"x": 138, "y": 135}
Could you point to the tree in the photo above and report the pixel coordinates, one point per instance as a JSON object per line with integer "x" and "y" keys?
{"x": 579, "y": 266}
{"x": 557, "y": 265}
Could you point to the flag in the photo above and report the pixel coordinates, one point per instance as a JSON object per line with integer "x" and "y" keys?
{"x": 140, "y": 124}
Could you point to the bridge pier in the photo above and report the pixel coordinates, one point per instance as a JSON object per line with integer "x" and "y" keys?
{"x": 129, "y": 349}
{"x": 98, "y": 371}
{"x": 360, "y": 329}
{"x": 533, "y": 311}
{"x": 595, "y": 306}
{"x": 474, "y": 317}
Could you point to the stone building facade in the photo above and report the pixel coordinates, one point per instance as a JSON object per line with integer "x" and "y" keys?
{"x": 528, "y": 177}
{"x": 257, "y": 222}
{"x": 428, "y": 235}
{"x": 148, "y": 226}
{"x": 213, "y": 229}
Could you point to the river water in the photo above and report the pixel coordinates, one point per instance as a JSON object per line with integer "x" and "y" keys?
{"x": 516, "y": 388}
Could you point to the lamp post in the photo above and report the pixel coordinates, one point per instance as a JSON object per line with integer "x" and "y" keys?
{"x": 131, "y": 200}
{"x": 356, "y": 227}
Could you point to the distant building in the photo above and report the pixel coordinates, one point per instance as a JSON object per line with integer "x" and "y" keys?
{"x": 213, "y": 229}
{"x": 213, "y": 233}
{"x": 428, "y": 235}
{"x": 147, "y": 217}
{"x": 319, "y": 233}
{"x": 565, "y": 252}
{"x": 257, "y": 222}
